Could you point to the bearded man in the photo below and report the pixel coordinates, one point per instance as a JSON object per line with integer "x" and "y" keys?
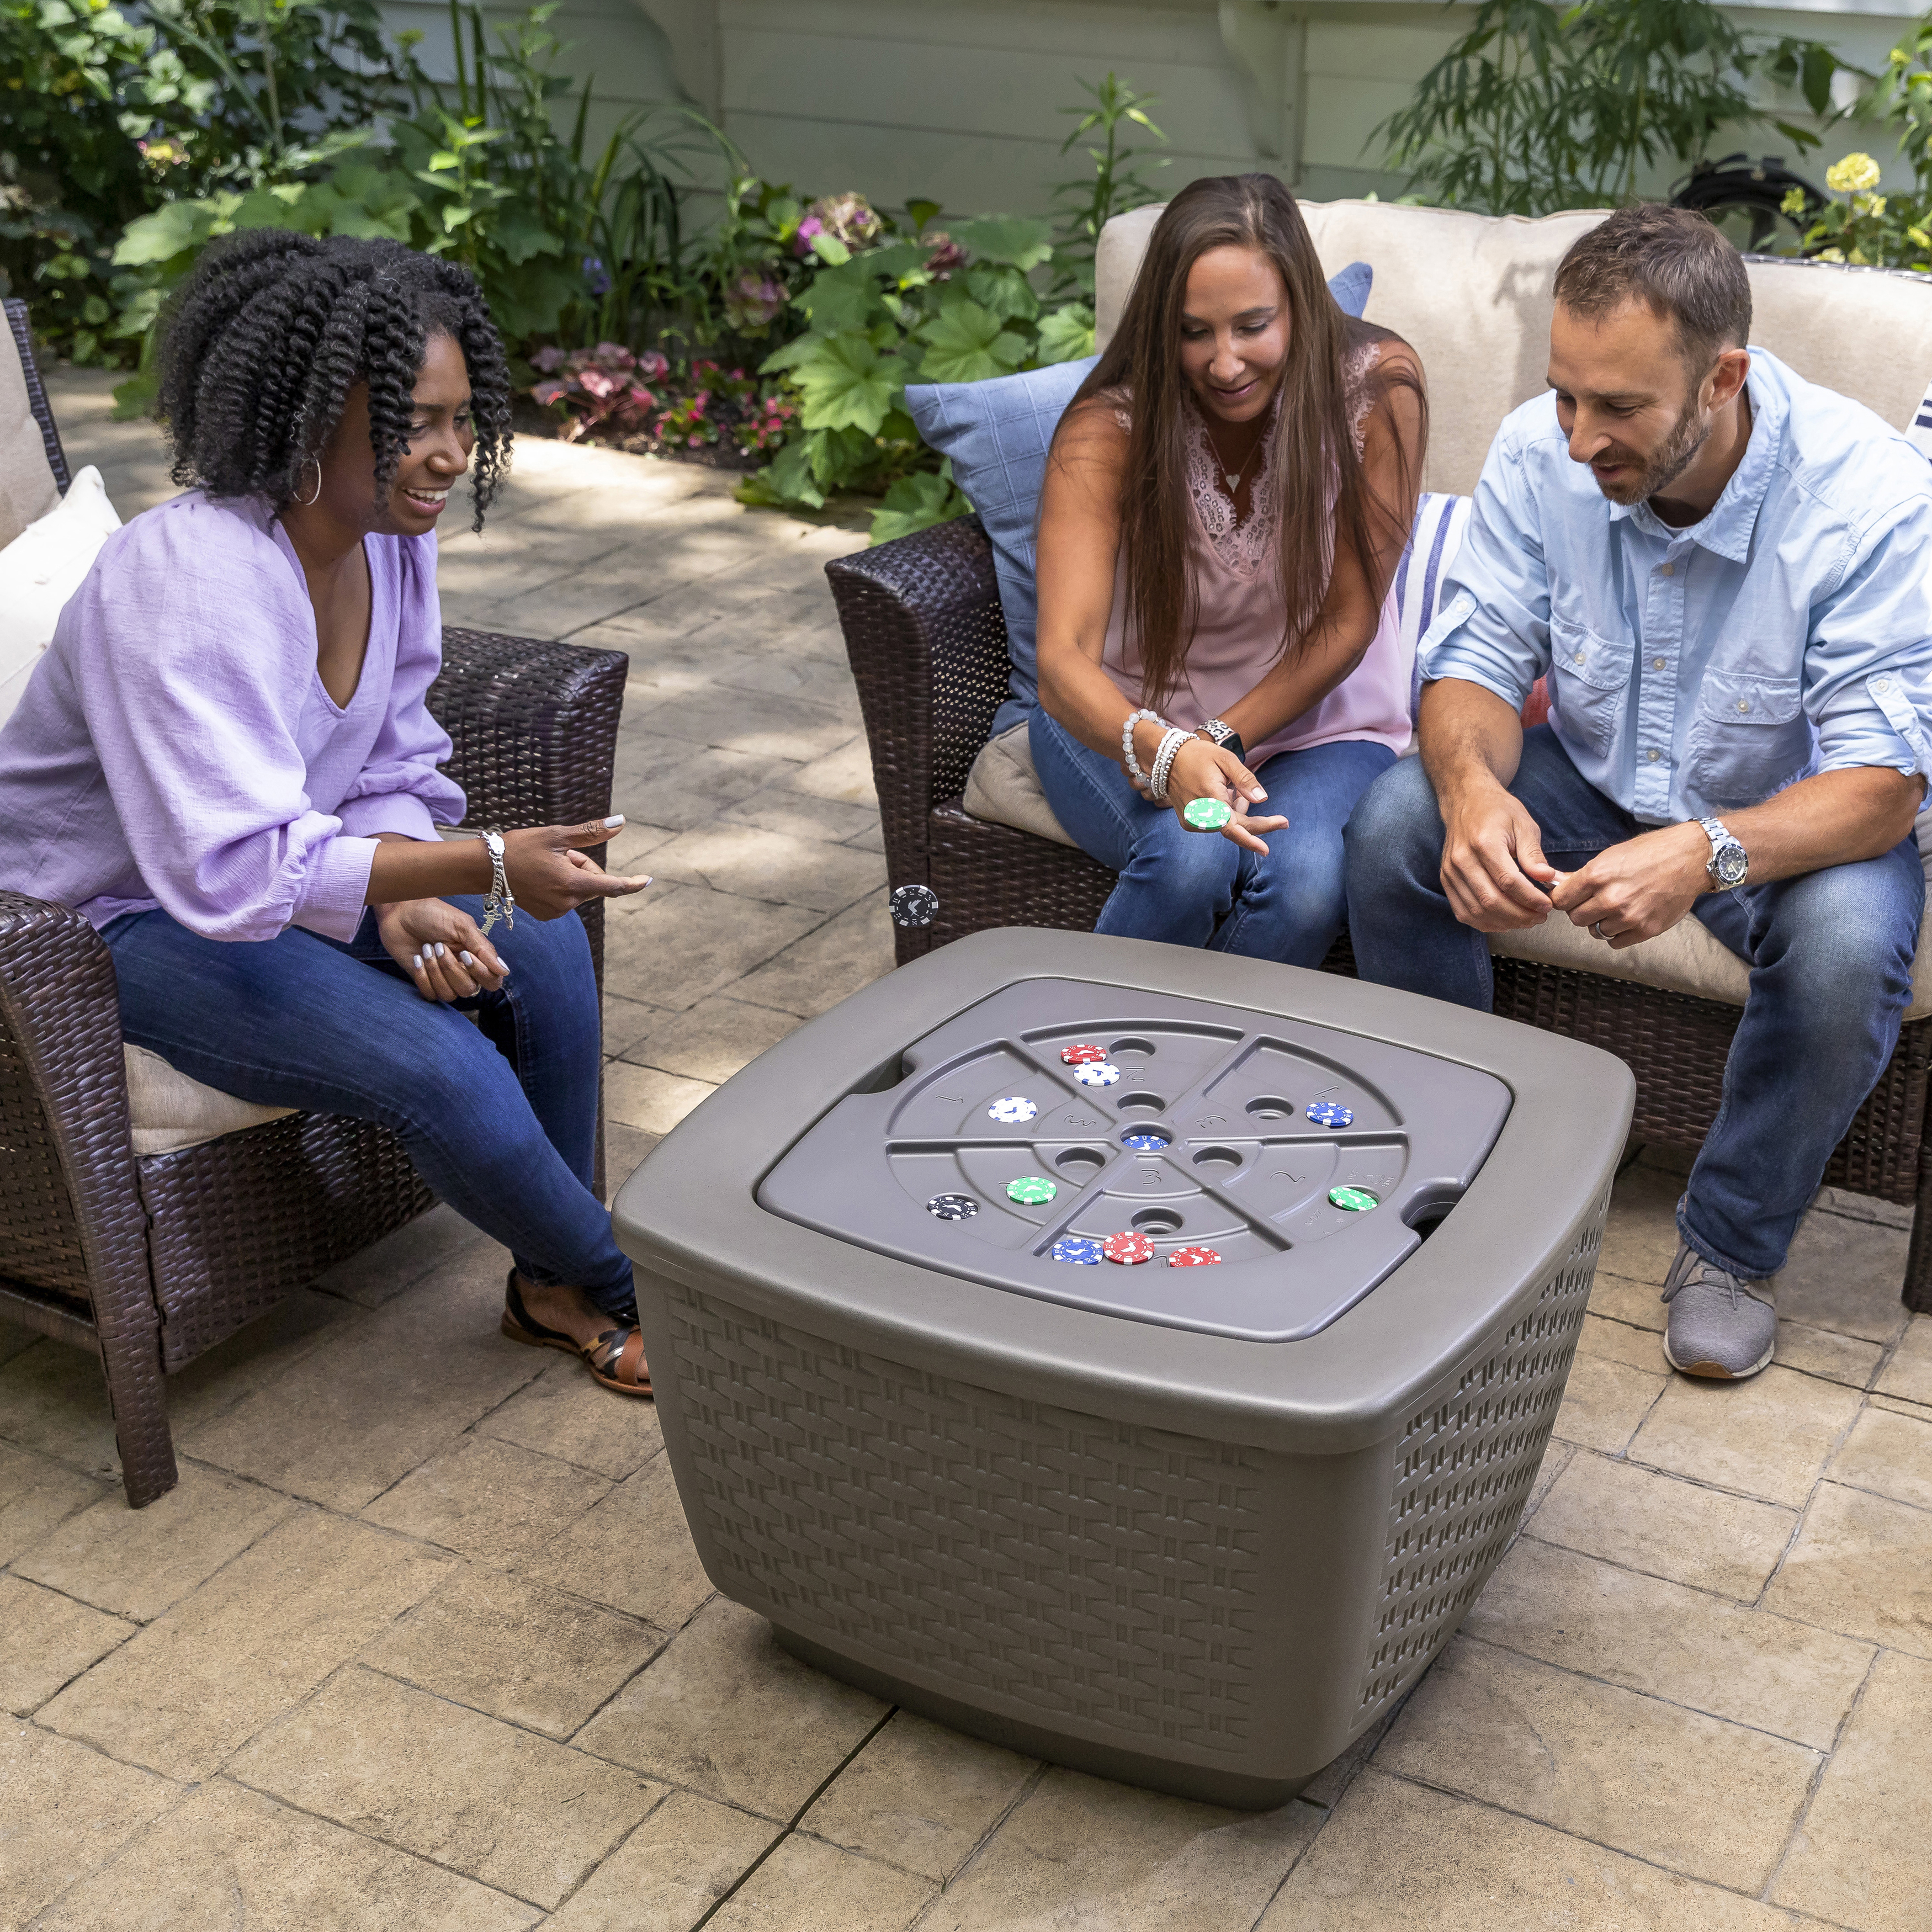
{"x": 1724, "y": 570}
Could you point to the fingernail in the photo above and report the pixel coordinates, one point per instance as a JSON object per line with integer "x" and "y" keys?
{"x": 438, "y": 952}
{"x": 611, "y": 824}
{"x": 466, "y": 958}
{"x": 1259, "y": 793}
{"x": 415, "y": 960}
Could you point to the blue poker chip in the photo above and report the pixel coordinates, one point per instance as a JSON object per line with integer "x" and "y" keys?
{"x": 1328, "y": 1113}
{"x": 1013, "y": 1108}
{"x": 1150, "y": 1140}
{"x": 1077, "y": 1249}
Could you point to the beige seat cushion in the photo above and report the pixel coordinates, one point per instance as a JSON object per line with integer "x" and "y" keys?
{"x": 170, "y": 1110}
{"x": 28, "y": 491}
{"x": 1472, "y": 293}
{"x": 1003, "y": 787}
{"x": 1687, "y": 959}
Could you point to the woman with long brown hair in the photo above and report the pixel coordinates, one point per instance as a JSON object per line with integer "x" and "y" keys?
{"x": 1227, "y": 499}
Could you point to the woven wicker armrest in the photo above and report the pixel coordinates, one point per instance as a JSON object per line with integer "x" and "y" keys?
{"x": 70, "y": 1201}
{"x": 534, "y": 727}
{"x": 927, "y": 643}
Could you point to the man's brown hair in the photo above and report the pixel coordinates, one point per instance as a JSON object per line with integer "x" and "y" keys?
{"x": 1673, "y": 260}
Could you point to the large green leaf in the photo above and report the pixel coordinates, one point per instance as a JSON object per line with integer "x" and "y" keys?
{"x": 848, "y": 385}
{"x": 1067, "y": 333}
{"x": 917, "y": 502}
{"x": 965, "y": 344}
{"x": 1008, "y": 239}
{"x": 840, "y": 301}
{"x": 1004, "y": 292}
{"x": 171, "y": 228}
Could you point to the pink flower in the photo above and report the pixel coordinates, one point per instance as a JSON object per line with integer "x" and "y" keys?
{"x": 551, "y": 392}
{"x": 642, "y": 398}
{"x": 807, "y": 228}
{"x": 946, "y": 253}
{"x": 595, "y": 383}
{"x": 614, "y": 355}
{"x": 653, "y": 367}
{"x": 546, "y": 359}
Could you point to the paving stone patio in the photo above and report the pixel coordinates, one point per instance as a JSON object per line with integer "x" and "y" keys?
{"x": 420, "y": 1641}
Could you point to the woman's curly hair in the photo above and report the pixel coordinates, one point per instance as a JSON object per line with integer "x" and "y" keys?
{"x": 272, "y": 329}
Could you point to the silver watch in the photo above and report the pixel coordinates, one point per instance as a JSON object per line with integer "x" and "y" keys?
{"x": 1730, "y": 864}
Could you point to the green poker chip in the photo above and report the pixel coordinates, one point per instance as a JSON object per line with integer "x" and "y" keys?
{"x": 1207, "y": 814}
{"x": 1357, "y": 1200}
{"x": 1031, "y": 1190}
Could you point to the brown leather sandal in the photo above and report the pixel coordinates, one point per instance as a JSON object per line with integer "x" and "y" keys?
{"x": 616, "y": 1358}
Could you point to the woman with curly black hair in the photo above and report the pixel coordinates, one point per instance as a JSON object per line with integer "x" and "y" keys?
{"x": 225, "y": 763}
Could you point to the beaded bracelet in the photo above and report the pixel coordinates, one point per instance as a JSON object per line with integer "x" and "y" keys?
{"x": 1163, "y": 762}
{"x": 1127, "y": 758}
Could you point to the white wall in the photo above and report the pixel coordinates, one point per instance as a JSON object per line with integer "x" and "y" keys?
{"x": 955, "y": 100}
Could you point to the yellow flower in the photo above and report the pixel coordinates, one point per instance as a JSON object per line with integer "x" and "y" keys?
{"x": 1919, "y": 235}
{"x": 1793, "y": 202}
{"x": 1856, "y": 171}
{"x": 1831, "y": 255}
{"x": 1873, "y": 205}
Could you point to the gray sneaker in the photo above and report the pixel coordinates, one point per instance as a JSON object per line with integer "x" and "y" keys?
{"x": 1721, "y": 1325}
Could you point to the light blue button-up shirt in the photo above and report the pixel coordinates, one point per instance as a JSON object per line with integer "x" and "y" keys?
{"x": 1698, "y": 670}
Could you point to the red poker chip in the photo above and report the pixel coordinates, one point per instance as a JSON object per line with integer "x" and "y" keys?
{"x": 1128, "y": 1249}
{"x": 1193, "y": 1258}
{"x": 1081, "y": 1056}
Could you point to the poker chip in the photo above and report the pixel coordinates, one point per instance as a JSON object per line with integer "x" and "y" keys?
{"x": 1129, "y": 1249}
{"x": 1207, "y": 814}
{"x": 1357, "y": 1200}
{"x": 1016, "y": 1107}
{"x": 914, "y": 905}
{"x": 1329, "y": 1113}
{"x": 952, "y": 1206}
{"x": 1031, "y": 1190}
{"x": 1146, "y": 1140}
{"x": 1078, "y": 1249}
{"x": 1082, "y": 1056}
{"x": 1194, "y": 1258}
{"x": 1096, "y": 1073}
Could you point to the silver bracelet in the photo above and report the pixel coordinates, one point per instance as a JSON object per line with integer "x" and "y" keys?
{"x": 1163, "y": 762}
{"x": 1127, "y": 758}
{"x": 500, "y": 904}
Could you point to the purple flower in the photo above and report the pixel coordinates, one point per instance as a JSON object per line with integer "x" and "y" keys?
{"x": 753, "y": 300}
{"x": 946, "y": 253}
{"x": 596, "y": 275}
{"x": 807, "y": 228}
{"x": 652, "y": 366}
{"x": 555, "y": 390}
{"x": 546, "y": 359}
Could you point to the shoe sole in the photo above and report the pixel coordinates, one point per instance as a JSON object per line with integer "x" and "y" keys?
{"x": 1716, "y": 1372}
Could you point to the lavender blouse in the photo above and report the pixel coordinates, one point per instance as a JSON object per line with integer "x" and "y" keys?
{"x": 175, "y": 746}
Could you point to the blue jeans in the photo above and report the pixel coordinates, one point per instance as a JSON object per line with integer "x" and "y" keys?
{"x": 1831, "y": 956}
{"x": 500, "y": 1118}
{"x": 1199, "y": 889}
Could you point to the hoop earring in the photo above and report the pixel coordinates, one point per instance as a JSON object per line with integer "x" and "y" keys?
{"x": 307, "y": 501}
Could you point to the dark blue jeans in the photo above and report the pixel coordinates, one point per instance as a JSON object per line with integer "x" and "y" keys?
{"x": 1831, "y": 956}
{"x": 500, "y": 1118}
{"x": 1199, "y": 889}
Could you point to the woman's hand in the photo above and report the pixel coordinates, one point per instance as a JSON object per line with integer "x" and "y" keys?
{"x": 1203, "y": 770}
{"x": 550, "y": 877}
{"x": 439, "y": 946}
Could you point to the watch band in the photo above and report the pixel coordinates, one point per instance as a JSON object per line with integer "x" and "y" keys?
{"x": 1219, "y": 731}
{"x": 1726, "y": 873}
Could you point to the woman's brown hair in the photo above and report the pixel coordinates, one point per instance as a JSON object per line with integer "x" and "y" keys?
{"x": 1313, "y": 456}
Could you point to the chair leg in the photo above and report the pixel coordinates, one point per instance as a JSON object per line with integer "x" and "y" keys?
{"x": 1917, "y": 1295}
{"x": 137, "y": 1390}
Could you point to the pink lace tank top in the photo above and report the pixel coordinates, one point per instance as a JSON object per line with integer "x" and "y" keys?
{"x": 1238, "y": 626}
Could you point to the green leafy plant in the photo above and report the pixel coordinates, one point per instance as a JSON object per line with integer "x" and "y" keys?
{"x": 951, "y": 305}
{"x": 1538, "y": 107}
{"x": 1087, "y": 203}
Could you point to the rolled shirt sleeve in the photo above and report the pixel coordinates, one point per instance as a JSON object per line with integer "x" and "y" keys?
{"x": 1493, "y": 627}
{"x": 1868, "y": 668}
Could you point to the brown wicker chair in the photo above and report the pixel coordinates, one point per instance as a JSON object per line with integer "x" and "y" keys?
{"x": 927, "y": 641}
{"x": 150, "y": 1260}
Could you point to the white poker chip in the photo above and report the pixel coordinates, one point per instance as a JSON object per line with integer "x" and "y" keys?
{"x": 1016, "y": 1107}
{"x": 1097, "y": 1073}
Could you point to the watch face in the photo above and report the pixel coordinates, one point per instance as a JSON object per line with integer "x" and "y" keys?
{"x": 1732, "y": 864}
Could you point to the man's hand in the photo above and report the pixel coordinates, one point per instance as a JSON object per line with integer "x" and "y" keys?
{"x": 1492, "y": 862}
{"x": 1631, "y": 892}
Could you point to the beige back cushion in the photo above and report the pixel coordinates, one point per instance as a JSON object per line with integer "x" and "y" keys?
{"x": 28, "y": 491}
{"x": 1472, "y": 293}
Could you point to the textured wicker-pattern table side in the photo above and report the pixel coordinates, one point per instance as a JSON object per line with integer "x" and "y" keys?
{"x": 928, "y": 644}
{"x": 1676, "y": 1046}
{"x": 37, "y": 395}
{"x": 70, "y": 1219}
{"x": 238, "y": 1223}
